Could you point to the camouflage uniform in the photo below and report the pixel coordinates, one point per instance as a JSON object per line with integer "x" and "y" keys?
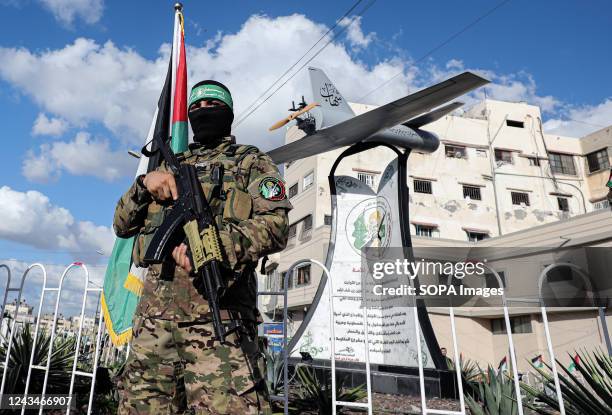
{"x": 173, "y": 354}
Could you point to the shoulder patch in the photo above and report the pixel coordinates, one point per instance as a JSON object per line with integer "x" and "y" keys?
{"x": 272, "y": 188}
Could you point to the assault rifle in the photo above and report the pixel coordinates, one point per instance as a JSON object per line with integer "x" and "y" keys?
{"x": 193, "y": 214}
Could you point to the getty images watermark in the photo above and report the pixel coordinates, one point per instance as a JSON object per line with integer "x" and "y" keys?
{"x": 411, "y": 269}
{"x": 482, "y": 277}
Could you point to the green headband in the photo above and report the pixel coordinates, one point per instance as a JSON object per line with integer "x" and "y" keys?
{"x": 207, "y": 91}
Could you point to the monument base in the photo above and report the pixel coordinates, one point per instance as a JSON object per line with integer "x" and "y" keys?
{"x": 395, "y": 380}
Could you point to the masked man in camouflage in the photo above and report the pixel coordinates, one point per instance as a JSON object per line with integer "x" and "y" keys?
{"x": 174, "y": 354}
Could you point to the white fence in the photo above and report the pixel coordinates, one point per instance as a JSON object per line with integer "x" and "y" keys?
{"x": 7, "y": 342}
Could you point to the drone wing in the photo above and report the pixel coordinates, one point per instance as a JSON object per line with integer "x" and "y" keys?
{"x": 365, "y": 125}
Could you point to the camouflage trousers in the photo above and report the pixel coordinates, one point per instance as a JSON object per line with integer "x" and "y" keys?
{"x": 176, "y": 368}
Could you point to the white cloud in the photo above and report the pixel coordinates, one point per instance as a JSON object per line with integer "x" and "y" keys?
{"x": 67, "y": 11}
{"x": 30, "y": 218}
{"x": 85, "y": 82}
{"x": 82, "y": 156}
{"x": 578, "y": 121}
{"x": 49, "y": 126}
{"x": 354, "y": 33}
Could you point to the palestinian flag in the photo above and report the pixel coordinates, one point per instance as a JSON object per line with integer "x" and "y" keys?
{"x": 538, "y": 361}
{"x": 123, "y": 281}
{"x": 503, "y": 365}
{"x": 179, "y": 87}
{"x": 575, "y": 363}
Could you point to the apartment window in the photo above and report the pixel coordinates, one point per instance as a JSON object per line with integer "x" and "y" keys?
{"x": 562, "y": 163}
{"x": 289, "y": 282}
{"x": 327, "y": 220}
{"x": 598, "y": 160}
{"x": 367, "y": 178}
{"x": 457, "y": 152}
{"x": 520, "y": 198}
{"x": 518, "y": 325}
{"x": 533, "y": 161}
{"x": 491, "y": 280}
{"x": 503, "y": 156}
{"x": 270, "y": 280}
{"x": 563, "y": 204}
{"x": 303, "y": 276}
{"x": 307, "y": 223}
{"x": 476, "y": 236}
{"x": 481, "y": 153}
{"x": 558, "y": 274}
{"x": 292, "y": 230}
{"x": 602, "y": 204}
{"x": 422, "y": 186}
{"x": 473, "y": 192}
{"x": 293, "y": 190}
{"x": 514, "y": 123}
{"x": 308, "y": 180}
{"x": 427, "y": 231}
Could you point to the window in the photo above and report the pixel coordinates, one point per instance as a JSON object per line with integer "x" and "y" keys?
{"x": 602, "y": 204}
{"x": 307, "y": 223}
{"x": 533, "y": 161}
{"x": 476, "y": 236}
{"x": 518, "y": 325}
{"x": 303, "y": 276}
{"x": 481, "y": 153}
{"x": 473, "y": 192}
{"x": 598, "y": 160}
{"x": 503, "y": 156}
{"x": 516, "y": 124}
{"x": 427, "y": 231}
{"x": 327, "y": 220}
{"x": 422, "y": 186}
{"x": 271, "y": 280}
{"x": 491, "y": 280}
{"x": 558, "y": 274}
{"x": 289, "y": 283}
{"x": 457, "y": 152}
{"x": 308, "y": 180}
{"x": 293, "y": 190}
{"x": 292, "y": 230}
{"x": 520, "y": 198}
{"x": 367, "y": 178}
{"x": 563, "y": 204}
{"x": 562, "y": 163}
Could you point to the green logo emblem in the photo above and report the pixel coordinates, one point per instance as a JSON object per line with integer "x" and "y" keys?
{"x": 272, "y": 188}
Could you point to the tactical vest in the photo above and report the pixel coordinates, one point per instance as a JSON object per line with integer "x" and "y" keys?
{"x": 224, "y": 179}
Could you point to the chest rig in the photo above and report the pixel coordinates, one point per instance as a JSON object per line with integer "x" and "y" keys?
{"x": 223, "y": 173}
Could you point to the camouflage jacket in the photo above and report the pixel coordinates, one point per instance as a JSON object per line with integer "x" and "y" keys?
{"x": 251, "y": 213}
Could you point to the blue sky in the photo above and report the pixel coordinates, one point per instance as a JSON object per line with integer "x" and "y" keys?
{"x": 79, "y": 83}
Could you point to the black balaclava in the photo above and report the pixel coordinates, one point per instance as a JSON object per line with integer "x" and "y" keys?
{"x": 211, "y": 124}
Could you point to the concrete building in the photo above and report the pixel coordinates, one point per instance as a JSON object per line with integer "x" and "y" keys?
{"x": 496, "y": 173}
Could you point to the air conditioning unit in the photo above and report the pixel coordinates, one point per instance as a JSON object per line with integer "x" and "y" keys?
{"x": 458, "y": 154}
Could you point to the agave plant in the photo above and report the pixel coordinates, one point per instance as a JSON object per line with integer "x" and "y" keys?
{"x": 494, "y": 395}
{"x": 593, "y": 396}
{"x": 470, "y": 372}
{"x": 274, "y": 372}
{"x": 312, "y": 395}
{"x": 59, "y": 369}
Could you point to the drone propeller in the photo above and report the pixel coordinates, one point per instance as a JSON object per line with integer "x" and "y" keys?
{"x": 293, "y": 116}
